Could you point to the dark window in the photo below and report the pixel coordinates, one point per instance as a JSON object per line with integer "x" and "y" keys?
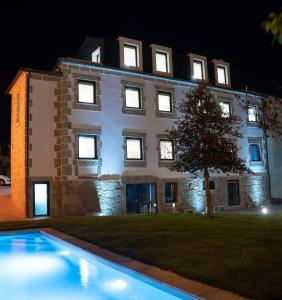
{"x": 171, "y": 192}
{"x": 211, "y": 185}
{"x": 86, "y": 92}
{"x": 132, "y": 97}
{"x": 233, "y": 192}
{"x": 255, "y": 152}
{"x": 87, "y": 147}
{"x": 134, "y": 149}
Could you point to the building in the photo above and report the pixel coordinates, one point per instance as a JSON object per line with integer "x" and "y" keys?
{"x": 89, "y": 136}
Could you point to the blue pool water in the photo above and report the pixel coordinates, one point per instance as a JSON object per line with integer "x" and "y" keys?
{"x": 35, "y": 266}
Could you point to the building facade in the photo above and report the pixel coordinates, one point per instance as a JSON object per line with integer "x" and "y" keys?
{"x": 89, "y": 137}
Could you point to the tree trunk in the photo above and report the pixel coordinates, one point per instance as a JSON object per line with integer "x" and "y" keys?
{"x": 208, "y": 193}
{"x": 267, "y": 166}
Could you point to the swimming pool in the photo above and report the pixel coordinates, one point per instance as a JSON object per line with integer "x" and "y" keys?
{"x": 36, "y": 266}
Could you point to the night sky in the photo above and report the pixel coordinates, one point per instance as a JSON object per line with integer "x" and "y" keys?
{"x": 35, "y": 34}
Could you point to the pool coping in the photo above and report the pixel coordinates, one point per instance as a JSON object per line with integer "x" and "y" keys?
{"x": 194, "y": 288}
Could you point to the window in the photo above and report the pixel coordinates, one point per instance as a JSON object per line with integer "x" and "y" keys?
{"x": 198, "y": 72}
{"x": 132, "y": 97}
{"x": 162, "y": 64}
{"x": 166, "y": 150}
{"x": 134, "y": 149}
{"x": 221, "y": 75}
{"x": 87, "y": 148}
{"x": 164, "y": 101}
{"x": 96, "y": 56}
{"x": 226, "y": 108}
{"x": 130, "y": 55}
{"x": 170, "y": 192}
{"x": 255, "y": 152}
{"x": 211, "y": 185}
{"x": 86, "y": 92}
{"x": 252, "y": 114}
{"x": 41, "y": 198}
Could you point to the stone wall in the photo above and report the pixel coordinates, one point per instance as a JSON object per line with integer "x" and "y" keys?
{"x": 19, "y": 163}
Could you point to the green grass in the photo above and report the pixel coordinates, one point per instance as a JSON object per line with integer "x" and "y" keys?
{"x": 239, "y": 253}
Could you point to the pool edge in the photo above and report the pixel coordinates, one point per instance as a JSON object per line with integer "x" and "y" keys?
{"x": 172, "y": 280}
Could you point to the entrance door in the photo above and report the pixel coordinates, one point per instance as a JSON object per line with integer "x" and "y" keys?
{"x": 141, "y": 198}
{"x": 41, "y": 198}
{"x": 233, "y": 192}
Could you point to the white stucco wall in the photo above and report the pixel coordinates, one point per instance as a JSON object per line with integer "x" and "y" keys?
{"x": 42, "y": 126}
{"x": 113, "y": 121}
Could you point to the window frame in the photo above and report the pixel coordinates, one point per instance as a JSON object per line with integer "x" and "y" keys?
{"x": 175, "y": 192}
{"x": 195, "y": 60}
{"x": 93, "y": 83}
{"x": 172, "y": 148}
{"x": 166, "y": 54}
{"x": 230, "y": 107}
{"x": 224, "y": 68}
{"x": 129, "y": 87}
{"x": 211, "y": 185}
{"x": 99, "y": 56}
{"x": 95, "y": 145}
{"x": 170, "y": 101}
{"x": 258, "y": 147}
{"x": 135, "y": 47}
{"x": 256, "y": 114}
{"x": 141, "y": 148}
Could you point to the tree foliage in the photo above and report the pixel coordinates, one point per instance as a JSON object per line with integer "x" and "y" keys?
{"x": 205, "y": 139}
{"x": 273, "y": 25}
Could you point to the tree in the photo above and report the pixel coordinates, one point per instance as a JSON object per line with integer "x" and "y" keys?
{"x": 202, "y": 138}
{"x": 268, "y": 118}
{"x": 273, "y": 25}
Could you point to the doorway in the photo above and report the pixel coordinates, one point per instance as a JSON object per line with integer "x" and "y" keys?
{"x": 141, "y": 198}
{"x": 41, "y": 198}
{"x": 233, "y": 192}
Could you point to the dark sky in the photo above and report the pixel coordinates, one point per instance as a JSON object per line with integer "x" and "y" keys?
{"x": 35, "y": 34}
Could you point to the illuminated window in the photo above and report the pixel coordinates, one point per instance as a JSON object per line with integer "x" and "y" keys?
{"x": 222, "y": 75}
{"x": 252, "y": 114}
{"x": 166, "y": 150}
{"x": 164, "y": 101}
{"x": 41, "y": 198}
{"x": 134, "y": 149}
{"x": 86, "y": 92}
{"x": 226, "y": 108}
{"x": 132, "y": 97}
{"x": 171, "y": 192}
{"x": 96, "y": 55}
{"x": 130, "y": 55}
{"x": 255, "y": 152}
{"x": 87, "y": 147}
{"x": 162, "y": 64}
{"x": 198, "y": 71}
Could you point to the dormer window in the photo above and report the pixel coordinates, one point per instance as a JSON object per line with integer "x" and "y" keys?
{"x": 222, "y": 73}
{"x": 130, "y": 54}
{"x": 96, "y": 56}
{"x": 198, "y": 67}
{"x": 162, "y": 60}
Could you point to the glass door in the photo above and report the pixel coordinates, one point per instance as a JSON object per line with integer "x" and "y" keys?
{"x": 41, "y": 199}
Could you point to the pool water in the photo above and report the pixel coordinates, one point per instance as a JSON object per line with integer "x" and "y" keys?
{"x": 36, "y": 266}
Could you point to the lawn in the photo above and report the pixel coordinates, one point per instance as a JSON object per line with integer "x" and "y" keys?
{"x": 239, "y": 253}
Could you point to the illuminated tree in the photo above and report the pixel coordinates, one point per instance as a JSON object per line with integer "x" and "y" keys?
{"x": 203, "y": 139}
